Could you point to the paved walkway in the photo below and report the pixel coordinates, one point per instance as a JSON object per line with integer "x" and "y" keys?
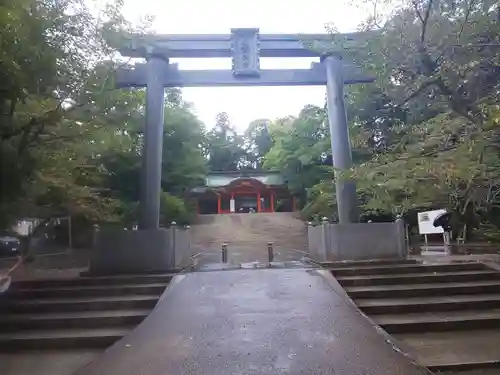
{"x": 246, "y": 322}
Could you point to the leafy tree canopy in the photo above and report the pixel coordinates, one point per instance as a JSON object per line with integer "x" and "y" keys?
{"x": 425, "y": 133}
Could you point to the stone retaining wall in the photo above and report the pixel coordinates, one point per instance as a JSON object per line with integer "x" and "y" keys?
{"x": 135, "y": 251}
{"x": 358, "y": 241}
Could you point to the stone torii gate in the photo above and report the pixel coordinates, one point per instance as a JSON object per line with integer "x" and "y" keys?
{"x": 244, "y": 47}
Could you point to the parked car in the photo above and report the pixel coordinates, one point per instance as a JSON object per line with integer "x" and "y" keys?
{"x": 9, "y": 246}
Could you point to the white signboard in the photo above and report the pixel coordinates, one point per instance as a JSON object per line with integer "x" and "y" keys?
{"x": 425, "y": 220}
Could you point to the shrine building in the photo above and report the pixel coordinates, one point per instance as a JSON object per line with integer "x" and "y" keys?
{"x": 243, "y": 192}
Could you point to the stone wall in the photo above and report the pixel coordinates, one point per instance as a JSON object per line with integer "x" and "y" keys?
{"x": 183, "y": 249}
{"x": 358, "y": 241}
{"x": 135, "y": 251}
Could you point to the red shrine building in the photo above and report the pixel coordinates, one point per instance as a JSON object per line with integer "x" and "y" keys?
{"x": 243, "y": 192}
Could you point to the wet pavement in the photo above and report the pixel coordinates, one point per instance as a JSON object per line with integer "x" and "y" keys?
{"x": 289, "y": 321}
{"x": 454, "y": 249}
{"x": 454, "y": 253}
{"x": 46, "y": 362}
{"x": 247, "y": 237}
{"x": 262, "y": 321}
{"x": 454, "y": 347}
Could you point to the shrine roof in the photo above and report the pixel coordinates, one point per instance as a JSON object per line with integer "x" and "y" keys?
{"x": 218, "y": 179}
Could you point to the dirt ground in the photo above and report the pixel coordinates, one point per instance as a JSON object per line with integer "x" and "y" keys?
{"x": 58, "y": 265}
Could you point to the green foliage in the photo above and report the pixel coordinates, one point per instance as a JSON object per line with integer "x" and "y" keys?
{"x": 258, "y": 143}
{"x": 184, "y": 165}
{"x": 51, "y": 54}
{"x": 438, "y": 63}
{"x": 321, "y": 203}
{"x": 174, "y": 209}
{"x": 227, "y": 150}
{"x": 70, "y": 141}
{"x": 224, "y": 147}
{"x": 300, "y": 149}
{"x": 425, "y": 134}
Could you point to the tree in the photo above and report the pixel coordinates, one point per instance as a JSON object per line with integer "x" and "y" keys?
{"x": 258, "y": 142}
{"x": 432, "y": 134}
{"x": 224, "y": 147}
{"x": 52, "y": 55}
{"x": 301, "y": 150}
{"x": 425, "y": 134}
{"x": 183, "y": 167}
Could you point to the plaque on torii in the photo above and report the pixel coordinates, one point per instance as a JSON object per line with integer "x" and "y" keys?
{"x": 245, "y": 47}
{"x": 245, "y": 52}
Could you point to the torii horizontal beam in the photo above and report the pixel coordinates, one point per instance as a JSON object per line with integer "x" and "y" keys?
{"x": 219, "y": 45}
{"x": 173, "y": 77}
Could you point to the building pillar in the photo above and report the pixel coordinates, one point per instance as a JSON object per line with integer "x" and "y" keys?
{"x": 293, "y": 203}
{"x": 258, "y": 202}
{"x": 340, "y": 142}
{"x": 149, "y": 207}
{"x": 271, "y": 197}
{"x": 232, "y": 205}
{"x": 219, "y": 204}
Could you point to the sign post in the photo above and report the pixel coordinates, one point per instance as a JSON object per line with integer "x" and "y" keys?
{"x": 426, "y": 224}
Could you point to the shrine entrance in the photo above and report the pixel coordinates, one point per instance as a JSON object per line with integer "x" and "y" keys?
{"x": 249, "y": 192}
{"x": 245, "y": 47}
{"x": 248, "y": 196}
{"x": 244, "y": 195}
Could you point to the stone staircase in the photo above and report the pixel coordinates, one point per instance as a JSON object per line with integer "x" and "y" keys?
{"x": 447, "y": 316}
{"x": 247, "y": 236}
{"x": 58, "y": 325}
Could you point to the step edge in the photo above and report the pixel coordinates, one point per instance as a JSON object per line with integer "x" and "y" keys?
{"x": 89, "y": 287}
{"x": 463, "y": 366}
{"x": 413, "y": 275}
{"x": 403, "y": 266}
{"x": 26, "y": 318}
{"x": 103, "y": 279}
{"x": 458, "y": 320}
{"x": 364, "y": 305}
{"x": 368, "y": 288}
{"x": 49, "y": 302}
{"x": 92, "y": 335}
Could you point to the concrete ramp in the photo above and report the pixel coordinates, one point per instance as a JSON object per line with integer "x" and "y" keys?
{"x": 254, "y": 322}
{"x": 247, "y": 236}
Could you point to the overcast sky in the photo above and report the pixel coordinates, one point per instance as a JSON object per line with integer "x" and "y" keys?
{"x": 244, "y": 104}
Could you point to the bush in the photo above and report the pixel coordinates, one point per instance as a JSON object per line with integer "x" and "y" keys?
{"x": 173, "y": 208}
{"x": 321, "y": 206}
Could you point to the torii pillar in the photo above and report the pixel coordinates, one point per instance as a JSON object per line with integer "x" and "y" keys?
{"x": 149, "y": 207}
{"x": 157, "y": 67}
{"x": 150, "y": 248}
{"x": 347, "y": 205}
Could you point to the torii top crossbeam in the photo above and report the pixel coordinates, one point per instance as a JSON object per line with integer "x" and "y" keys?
{"x": 221, "y": 45}
{"x": 245, "y": 47}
